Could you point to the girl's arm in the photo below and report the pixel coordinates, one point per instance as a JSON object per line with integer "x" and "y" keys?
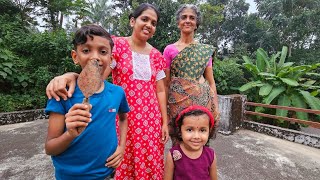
{"x": 213, "y": 169}
{"x": 59, "y": 140}
{"x": 168, "y": 167}
{"x": 115, "y": 159}
{"x": 208, "y": 75}
{"x": 162, "y": 99}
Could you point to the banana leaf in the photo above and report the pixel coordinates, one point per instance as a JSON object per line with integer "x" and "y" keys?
{"x": 267, "y": 74}
{"x": 274, "y": 63}
{"x": 247, "y": 59}
{"x": 283, "y": 56}
{"x": 310, "y": 82}
{"x": 262, "y": 60}
{"x": 313, "y": 74}
{"x": 315, "y": 92}
{"x": 312, "y": 101}
{"x": 252, "y": 69}
{"x": 290, "y": 82}
{"x": 265, "y": 89}
{"x": 297, "y": 101}
{"x": 273, "y": 94}
{"x": 250, "y": 85}
{"x": 283, "y": 101}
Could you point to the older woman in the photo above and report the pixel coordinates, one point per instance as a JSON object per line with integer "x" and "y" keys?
{"x": 189, "y": 74}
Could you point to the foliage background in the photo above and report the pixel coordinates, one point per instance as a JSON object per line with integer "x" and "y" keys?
{"x": 35, "y": 38}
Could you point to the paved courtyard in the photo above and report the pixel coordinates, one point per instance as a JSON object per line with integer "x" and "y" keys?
{"x": 245, "y": 155}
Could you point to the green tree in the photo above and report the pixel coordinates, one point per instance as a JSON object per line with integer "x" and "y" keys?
{"x": 212, "y": 17}
{"x": 235, "y": 13}
{"x": 53, "y": 11}
{"x": 296, "y": 22}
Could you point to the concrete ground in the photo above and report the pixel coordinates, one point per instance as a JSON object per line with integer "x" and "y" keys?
{"x": 245, "y": 155}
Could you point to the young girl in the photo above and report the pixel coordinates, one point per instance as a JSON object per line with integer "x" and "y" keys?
{"x": 191, "y": 158}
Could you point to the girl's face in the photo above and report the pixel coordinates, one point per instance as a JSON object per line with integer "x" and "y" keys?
{"x": 144, "y": 26}
{"x": 195, "y": 132}
{"x": 187, "y": 21}
{"x": 97, "y": 48}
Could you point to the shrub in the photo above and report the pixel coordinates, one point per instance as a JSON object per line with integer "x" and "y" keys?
{"x": 228, "y": 76}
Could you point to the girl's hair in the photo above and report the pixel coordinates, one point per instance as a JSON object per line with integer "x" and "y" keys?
{"x": 189, "y": 6}
{"x": 193, "y": 111}
{"x": 90, "y": 30}
{"x": 141, "y": 8}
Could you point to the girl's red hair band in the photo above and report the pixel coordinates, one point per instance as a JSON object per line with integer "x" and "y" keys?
{"x": 196, "y": 107}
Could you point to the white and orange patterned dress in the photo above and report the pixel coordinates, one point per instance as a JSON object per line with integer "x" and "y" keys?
{"x": 137, "y": 75}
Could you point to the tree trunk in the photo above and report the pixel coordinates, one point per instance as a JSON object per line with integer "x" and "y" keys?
{"x": 61, "y": 20}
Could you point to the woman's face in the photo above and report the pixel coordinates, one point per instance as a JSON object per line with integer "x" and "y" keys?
{"x": 144, "y": 26}
{"x": 187, "y": 21}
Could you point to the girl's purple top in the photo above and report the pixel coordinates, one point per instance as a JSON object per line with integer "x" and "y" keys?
{"x": 191, "y": 169}
{"x": 171, "y": 51}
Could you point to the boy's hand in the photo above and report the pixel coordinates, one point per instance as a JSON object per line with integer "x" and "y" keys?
{"x": 115, "y": 159}
{"x": 78, "y": 116}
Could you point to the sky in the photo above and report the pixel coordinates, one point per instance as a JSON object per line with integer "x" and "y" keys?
{"x": 252, "y": 8}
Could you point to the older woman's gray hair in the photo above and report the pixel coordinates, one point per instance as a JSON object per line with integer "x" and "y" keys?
{"x": 189, "y": 6}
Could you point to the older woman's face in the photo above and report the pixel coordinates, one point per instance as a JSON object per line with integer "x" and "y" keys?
{"x": 187, "y": 21}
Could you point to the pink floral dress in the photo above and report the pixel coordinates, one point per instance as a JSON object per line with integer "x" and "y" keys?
{"x": 137, "y": 74}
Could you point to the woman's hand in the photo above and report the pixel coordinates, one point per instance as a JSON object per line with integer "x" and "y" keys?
{"x": 115, "y": 159}
{"x": 216, "y": 115}
{"x": 78, "y": 116}
{"x": 57, "y": 86}
{"x": 164, "y": 133}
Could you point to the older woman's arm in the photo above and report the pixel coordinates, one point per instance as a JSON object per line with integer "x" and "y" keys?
{"x": 208, "y": 75}
{"x": 167, "y": 80}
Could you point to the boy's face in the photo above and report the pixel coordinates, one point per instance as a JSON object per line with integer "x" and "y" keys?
{"x": 97, "y": 48}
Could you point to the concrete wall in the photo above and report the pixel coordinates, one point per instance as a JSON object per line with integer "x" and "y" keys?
{"x": 231, "y": 113}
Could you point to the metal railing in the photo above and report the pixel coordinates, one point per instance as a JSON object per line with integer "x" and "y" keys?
{"x": 310, "y": 123}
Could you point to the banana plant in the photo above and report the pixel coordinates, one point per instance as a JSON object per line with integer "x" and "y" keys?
{"x": 282, "y": 83}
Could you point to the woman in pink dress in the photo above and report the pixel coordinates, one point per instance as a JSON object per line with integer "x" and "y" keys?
{"x": 139, "y": 69}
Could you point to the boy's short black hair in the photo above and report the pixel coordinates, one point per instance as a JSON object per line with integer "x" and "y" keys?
{"x": 90, "y": 30}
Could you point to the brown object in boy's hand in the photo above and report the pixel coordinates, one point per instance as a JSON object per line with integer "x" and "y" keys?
{"x": 89, "y": 82}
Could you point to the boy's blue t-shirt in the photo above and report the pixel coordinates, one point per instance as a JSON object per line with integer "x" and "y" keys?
{"x": 86, "y": 156}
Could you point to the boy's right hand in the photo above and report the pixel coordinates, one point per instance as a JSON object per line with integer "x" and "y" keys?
{"x": 57, "y": 86}
{"x": 78, "y": 116}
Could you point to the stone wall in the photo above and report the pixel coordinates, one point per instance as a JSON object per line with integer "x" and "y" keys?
{"x": 312, "y": 140}
{"x": 232, "y": 118}
{"x": 21, "y": 116}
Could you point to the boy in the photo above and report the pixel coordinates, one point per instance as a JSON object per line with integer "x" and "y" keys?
{"x": 94, "y": 152}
